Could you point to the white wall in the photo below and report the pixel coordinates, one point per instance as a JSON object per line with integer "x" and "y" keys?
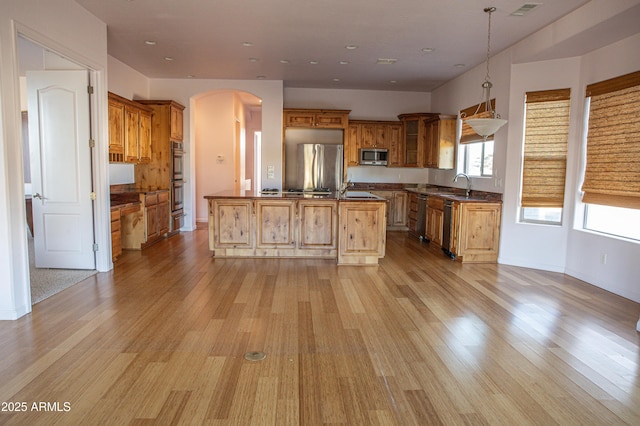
{"x": 48, "y": 23}
{"x": 621, "y": 273}
{"x": 187, "y": 91}
{"x": 565, "y": 248}
{"x": 528, "y": 244}
{"x": 364, "y": 104}
{"x": 214, "y": 119}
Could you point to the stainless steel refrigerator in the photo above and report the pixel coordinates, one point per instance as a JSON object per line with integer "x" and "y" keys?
{"x": 319, "y": 166}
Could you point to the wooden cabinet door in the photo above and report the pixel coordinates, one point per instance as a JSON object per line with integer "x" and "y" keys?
{"x": 299, "y": 119}
{"x": 435, "y": 219}
{"x": 151, "y": 219}
{"x": 176, "y": 132}
{"x": 368, "y": 134}
{"x": 164, "y": 212}
{"x": 116, "y": 131}
{"x": 231, "y": 223}
{"x": 116, "y": 234}
{"x": 352, "y": 146}
{"x": 275, "y": 220}
{"x": 431, "y": 146}
{"x": 363, "y": 230}
{"x": 132, "y": 124}
{"x": 394, "y": 143}
{"x": 478, "y": 231}
{"x": 318, "y": 224}
{"x": 410, "y": 142}
{"x": 400, "y": 204}
{"x": 144, "y": 137}
{"x": 331, "y": 120}
{"x": 382, "y": 136}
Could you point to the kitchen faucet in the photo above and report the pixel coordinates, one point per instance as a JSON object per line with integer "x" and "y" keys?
{"x": 455, "y": 179}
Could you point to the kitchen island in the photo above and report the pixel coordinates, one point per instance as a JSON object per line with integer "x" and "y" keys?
{"x": 350, "y": 229}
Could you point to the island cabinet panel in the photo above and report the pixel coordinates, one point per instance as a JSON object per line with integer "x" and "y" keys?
{"x": 230, "y": 224}
{"x": 276, "y": 223}
{"x": 362, "y": 232}
{"x": 318, "y": 225}
{"x": 475, "y": 231}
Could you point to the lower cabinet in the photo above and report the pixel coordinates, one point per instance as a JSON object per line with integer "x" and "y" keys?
{"x": 397, "y": 204}
{"x": 116, "y": 236}
{"x": 149, "y": 224}
{"x": 362, "y": 232}
{"x": 117, "y": 216}
{"x": 435, "y": 216}
{"x": 475, "y": 231}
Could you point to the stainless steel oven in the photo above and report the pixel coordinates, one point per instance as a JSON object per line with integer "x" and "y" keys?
{"x": 177, "y": 195}
{"x": 178, "y": 165}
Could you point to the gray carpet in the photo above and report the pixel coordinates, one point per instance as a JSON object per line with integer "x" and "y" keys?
{"x": 46, "y": 282}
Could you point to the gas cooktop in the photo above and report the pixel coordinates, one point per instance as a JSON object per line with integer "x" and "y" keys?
{"x": 314, "y": 191}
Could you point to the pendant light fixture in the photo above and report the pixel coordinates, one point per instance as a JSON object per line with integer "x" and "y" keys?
{"x": 487, "y": 126}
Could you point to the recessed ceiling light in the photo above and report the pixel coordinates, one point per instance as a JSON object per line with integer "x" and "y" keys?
{"x": 428, "y": 49}
{"x": 459, "y": 65}
{"x": 247, "y": 44}
{"x": 168, "y": 58}
{"x": 260, "y": 77}
{"x": 336, "y": 79}
{"x": 344, "y": 62}
{"x": 150, "y": 42}
{"x": 253, "y": 59}
{"x": 351, "y": 47}
{"x": 190, "y": 76}
{"x": 386, "y": 61}
{"x": 393, "y": 81}
{"x": 284, "y": 61}
{"x": 314, "y": 62}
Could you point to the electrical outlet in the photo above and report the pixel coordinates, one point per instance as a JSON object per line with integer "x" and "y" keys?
{"x": 603, "y": 258}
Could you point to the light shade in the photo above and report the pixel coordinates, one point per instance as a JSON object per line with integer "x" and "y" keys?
{"x": 485, "y": 126}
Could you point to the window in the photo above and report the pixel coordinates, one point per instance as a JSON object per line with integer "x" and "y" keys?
{"x": 546, "y": 135}
{"x": 477, "y": 154}
{"x": 611, "y": 184}
{"x": 478, "y": 159}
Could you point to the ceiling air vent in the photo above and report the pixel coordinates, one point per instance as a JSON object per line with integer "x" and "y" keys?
{"x": 386, "y": 61}
{"x": 525, "y": 8}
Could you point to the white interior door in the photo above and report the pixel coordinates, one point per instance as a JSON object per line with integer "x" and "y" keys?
{"x": 59, "y": 133}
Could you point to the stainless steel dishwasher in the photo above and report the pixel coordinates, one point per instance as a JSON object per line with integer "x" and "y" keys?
{"x": 421, "y": 219}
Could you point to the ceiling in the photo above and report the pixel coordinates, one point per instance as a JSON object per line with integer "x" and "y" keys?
{"x": 206, "y": 39}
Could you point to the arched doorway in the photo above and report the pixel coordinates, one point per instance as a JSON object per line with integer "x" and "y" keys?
{"x": 226, "y": 122}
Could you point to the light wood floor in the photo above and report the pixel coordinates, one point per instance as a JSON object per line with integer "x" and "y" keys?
{"x": 419, "y": 340}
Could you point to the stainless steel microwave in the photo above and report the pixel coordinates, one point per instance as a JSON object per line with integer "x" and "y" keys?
{"x": 373, "y": 156}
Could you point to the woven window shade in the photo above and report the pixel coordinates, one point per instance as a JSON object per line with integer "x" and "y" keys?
{"x": 468, "y": 135}
{"x": 545, "y": 148}
{"x": 612, "y": 173}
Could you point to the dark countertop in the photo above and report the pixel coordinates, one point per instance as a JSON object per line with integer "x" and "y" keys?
{"x": 457, "y": 194}
{"x": 253, "y": 194}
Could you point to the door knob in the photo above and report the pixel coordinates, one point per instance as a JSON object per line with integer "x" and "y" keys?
{"x": 38, "y": 196}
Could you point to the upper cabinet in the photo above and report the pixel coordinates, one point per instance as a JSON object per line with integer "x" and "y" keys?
{"x": 316, "y": 118}
{"x": 129, "y": 131}
{"x": 428, "y": 140}
{"x": 440, "y": 142}
{"x": 373, "y": 134}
